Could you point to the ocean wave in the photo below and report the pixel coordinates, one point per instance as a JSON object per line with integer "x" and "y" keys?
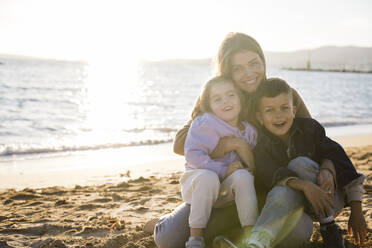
{"x": 339, "y": 123}
{"x": 345, "y": 123}
{"x": 158, "y": 129}
{"x": 16, "y": 149}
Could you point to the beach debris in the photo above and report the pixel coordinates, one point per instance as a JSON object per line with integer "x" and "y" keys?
{"x": 118, "y": 225}
{"x": 126, "y": 174}
{"x": 115, "y": 223}
{"x": 61, "y": 202}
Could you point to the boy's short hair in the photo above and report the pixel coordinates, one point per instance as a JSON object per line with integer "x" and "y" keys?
{"x": 271, "y": 87}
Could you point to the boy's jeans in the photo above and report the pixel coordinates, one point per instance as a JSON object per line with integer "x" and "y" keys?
{"x": 282, "y": 219}
{"x": 278, "y": 218}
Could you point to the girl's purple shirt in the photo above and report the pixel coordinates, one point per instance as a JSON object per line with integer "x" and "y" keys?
{"x": 202, "y": 138}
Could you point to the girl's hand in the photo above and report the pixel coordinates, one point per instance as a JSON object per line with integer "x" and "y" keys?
{"x": 318, "y": 198}
{"x": 246, "y": 155}
{"x": 225, "y": 145}
{"x": 326, "y": 182}
{"x": 357, "y": 223}
{"x": 237, "y": 165}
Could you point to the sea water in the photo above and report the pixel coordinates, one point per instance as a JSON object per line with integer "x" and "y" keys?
{"x": 52, "y": 106}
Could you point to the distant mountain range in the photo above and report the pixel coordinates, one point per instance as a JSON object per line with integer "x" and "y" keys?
{"x": 326, "y": 58}
{"x": 323, "y": 58}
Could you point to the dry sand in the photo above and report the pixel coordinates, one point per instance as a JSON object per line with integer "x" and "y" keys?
{"x": 113, "y": 215}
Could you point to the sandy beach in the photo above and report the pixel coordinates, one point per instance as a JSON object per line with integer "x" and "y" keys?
{"x": 110, "y": 211}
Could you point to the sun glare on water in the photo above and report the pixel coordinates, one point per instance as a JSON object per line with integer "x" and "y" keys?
{"x": 111, "y": 84}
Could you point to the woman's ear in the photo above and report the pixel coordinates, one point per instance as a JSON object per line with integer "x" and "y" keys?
{"x": 259, "y": 117}
{"x": 294, "y": 110}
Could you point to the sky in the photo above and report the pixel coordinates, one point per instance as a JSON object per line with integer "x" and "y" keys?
{"x": 168, "y": 29}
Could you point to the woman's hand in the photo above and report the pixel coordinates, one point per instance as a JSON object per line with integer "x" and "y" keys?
{"x": 326, "y": 182}
{"x": 318, "y": 198}
{"x": 357, "y": 223}
{"x": 225, "y": 145}
{"x": 237, "y": 165}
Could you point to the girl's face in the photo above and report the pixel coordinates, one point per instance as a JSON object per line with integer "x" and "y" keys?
{"x": 247, "y": 70}
{"x": 224, "y": 102}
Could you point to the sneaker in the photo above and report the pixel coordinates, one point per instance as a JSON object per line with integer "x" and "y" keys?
{"x": 332, "y": 236}
{"x": 258, "y": 239}
{"x": 222, "y": 242}
{"x": 195, "y": 242}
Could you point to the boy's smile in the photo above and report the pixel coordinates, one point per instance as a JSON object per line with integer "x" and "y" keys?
{"x": 277, "y": 114}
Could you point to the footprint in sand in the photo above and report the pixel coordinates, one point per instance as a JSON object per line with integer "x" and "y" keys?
{"x": 88, "y": 206}
{"x": 90, "y": 231}
{"x": 24, "y": 196}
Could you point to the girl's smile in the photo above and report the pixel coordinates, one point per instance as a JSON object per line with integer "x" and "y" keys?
{"x": 224, "y": 102}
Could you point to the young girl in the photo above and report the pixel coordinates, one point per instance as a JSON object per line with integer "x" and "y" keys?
{"x": 211, "y": 182}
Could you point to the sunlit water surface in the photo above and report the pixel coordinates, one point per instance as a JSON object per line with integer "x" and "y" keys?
{"x": 53, "y": 106}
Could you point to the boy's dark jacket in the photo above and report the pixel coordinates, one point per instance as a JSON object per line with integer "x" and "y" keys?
{"x": 308, "y": 139}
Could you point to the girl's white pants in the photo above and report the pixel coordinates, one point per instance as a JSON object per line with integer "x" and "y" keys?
{"x": 202, "y": 189}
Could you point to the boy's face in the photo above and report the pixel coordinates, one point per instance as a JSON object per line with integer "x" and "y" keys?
{"x": 277, "y": 114}
{"x": 224, "y": 102}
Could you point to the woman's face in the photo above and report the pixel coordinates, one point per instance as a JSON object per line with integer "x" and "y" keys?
{"x": 247, "y": 70}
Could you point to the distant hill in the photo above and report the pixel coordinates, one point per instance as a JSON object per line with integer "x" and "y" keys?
{"x": 329, "y": 57}
{"x": 324, "y": 58}
{"x": 4, "y": 57}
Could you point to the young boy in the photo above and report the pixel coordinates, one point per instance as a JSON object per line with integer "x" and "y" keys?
{"x": 295, "y": 153}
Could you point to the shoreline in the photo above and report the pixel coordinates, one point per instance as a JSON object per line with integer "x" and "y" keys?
{"x": 110, "y": 165}
{"x": 327, "y": 70}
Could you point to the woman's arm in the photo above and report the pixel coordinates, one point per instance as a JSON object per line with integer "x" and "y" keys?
{"x": 301, "y": 109}
{"x": 179, "y": 140}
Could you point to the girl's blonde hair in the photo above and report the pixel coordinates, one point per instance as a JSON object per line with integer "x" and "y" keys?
{"x": 202, "y": 103}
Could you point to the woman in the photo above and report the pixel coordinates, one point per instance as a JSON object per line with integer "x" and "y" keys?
{"x": 241, "y": 58}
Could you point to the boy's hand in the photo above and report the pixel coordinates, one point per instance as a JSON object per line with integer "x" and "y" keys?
{"x": 318, "y": 198}
{"x": 326, "y": 182}
{"x": 357, "y": 223}
{"x": 233, "y": 167}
